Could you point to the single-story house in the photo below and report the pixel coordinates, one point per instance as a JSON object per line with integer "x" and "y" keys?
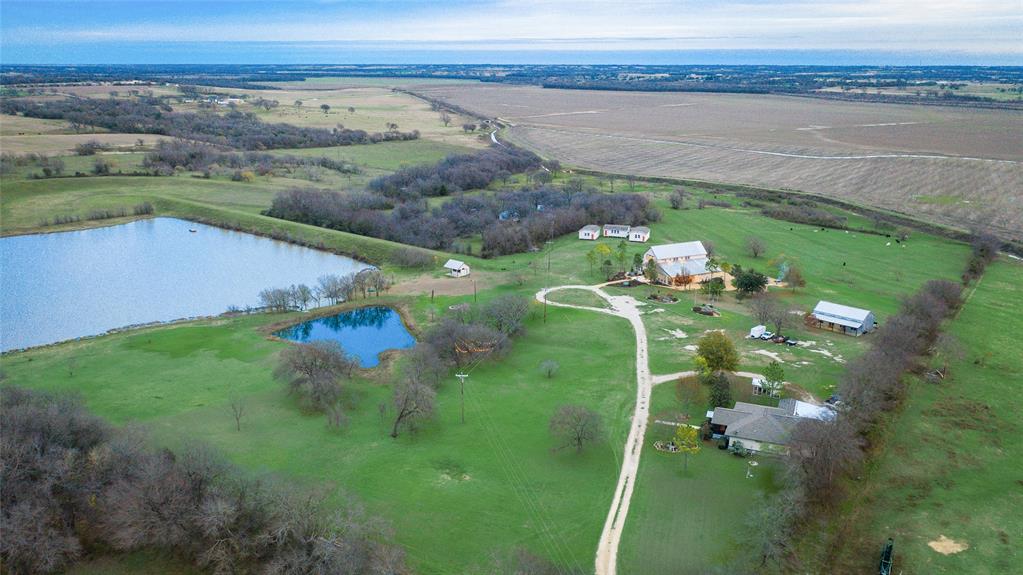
{"x": 639, "y": 234}
{"x": 674, "y": 260}
{"x": 616, "y": 231}
{"x": 590, "y": 232}
{"x": 842, "y": 318}
{"x": 456, "y": 269}
{"x": 764, "y": 429}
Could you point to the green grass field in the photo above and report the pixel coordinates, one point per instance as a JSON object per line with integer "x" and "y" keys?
{"x": 687, "y": 522}
{"x": 497, "y": 469}
{"x": 457, "y": 493}
{"x": 950, "y": 466}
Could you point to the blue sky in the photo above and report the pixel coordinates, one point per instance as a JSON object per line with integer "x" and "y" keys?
{"x": 504, "y": 31}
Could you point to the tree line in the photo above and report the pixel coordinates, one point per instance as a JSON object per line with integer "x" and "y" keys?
{"x": 72, "y": 486}
{"x": 509, "y": 222}
{"x": 824, "y": 454}
{"x": 172, "y": 155}
{"x": 331, "y": 288}
{"x": 455, "y": 173}
{"x": 234, "y": 129}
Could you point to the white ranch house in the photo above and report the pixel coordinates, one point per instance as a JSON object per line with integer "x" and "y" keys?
{"x": 639, "y": 234}
{"x": 679, "y": 259}
{"x": 590, "y": 232}
{"x": 842, "y": 318}
{"x": 616, "y": 231}
{"x": 457, "y": 269}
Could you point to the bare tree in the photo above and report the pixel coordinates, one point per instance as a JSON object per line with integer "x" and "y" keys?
{"x": 764, "y": 307}
{"x": 424, "y": 365}
{"x": 445, "y": 118}
{"x": 237, "y": 410}
{"x": 755, "y": 246}
{"x": 820, "y": 453}
{"x": 575, "y": 426}
{"x": 677, "y": 198}
{"x": 413, "y": 403}
{"x": 549, "y": 367}
{"x": 506, "y": 313}
{"x": 313, "y": 371}
{"x": 794, "y": 278}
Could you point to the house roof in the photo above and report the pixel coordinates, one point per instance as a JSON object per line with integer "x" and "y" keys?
{"x": 767, "y": 424}
{"x": 756, "y": 422}
{"x": 841, "y": 314}
{"x": 806, "y": 410}
{"x": 616, "y": 227}
{"x": 590, "y": 228}
{"x": 454, "y": 265}
{"x": 680, "y": 250}
{"x": 641, "y": 229}
{"x": 693, "y": 267}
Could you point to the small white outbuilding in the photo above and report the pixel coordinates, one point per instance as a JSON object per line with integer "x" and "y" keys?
{"x": 757, "y": 331}
{"x": 639, "y": 234}
{"x": 457, "y": 269}
{"x": 590, "y": 232}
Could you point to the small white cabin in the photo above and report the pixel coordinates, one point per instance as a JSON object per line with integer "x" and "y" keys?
{"x": 639, "y": 234}
{"x": 616, "y": 231}
{"x": 457, "y": 269}
{"x": 590, "y": 232}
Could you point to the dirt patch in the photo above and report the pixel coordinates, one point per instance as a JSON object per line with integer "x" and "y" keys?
{"x": 947, "y": 546}
{"x": 427, "y": 283}
{"x": 962, "y": 413}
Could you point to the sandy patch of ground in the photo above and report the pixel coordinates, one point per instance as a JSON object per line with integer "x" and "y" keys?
{"x": 947, "y": 546}
{"x": 770, "y": 354}
{"x": 827, "y": 353}
{"x": 427, "y": 283}
{"x": 677, "y": 333}
{"x": 690, "y": 348}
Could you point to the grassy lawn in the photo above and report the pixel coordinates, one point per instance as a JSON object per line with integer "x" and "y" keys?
{"x": 497, "y": 468}
{"x": 951, "y": 464}
{"x": 683, "y": 522}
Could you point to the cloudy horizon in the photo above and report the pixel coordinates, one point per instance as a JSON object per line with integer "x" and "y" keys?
{"x": 873, "y": 31}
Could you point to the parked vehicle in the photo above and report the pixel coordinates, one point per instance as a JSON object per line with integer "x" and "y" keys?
{"x": 767, "y": 335}
{"x": 792, "y": 342}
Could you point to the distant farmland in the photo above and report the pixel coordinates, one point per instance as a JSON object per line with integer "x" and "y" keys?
{"x": 952, "y": 165}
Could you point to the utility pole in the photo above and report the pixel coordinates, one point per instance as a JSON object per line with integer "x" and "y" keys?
{"x": 474, "y": 291}
{"x": 461, "y": 380}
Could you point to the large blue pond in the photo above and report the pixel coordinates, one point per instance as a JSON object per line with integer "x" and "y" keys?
{"x": 60, "y": 286}
{"x": 363, "y": 332}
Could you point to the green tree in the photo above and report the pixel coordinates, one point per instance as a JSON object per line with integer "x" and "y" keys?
{"x": 622, "y": 254}
{"x": 716, "y": 353}
{"x": 774, "y": 377}
{"x": 637, "y": 261}
{"x": 688, "y": 441}
{"x": 748, "y": 282}
{"x": 650, "y": 270}
{"x": 712, "y": 288}
{"x": 794, "y": 278}
{"x": 720, "y": 391}
{"x": 591, "y": 257}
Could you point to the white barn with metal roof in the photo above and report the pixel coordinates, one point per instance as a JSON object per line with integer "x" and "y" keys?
{"x": 843, "y": 318}
{"x": 456, "y": 268}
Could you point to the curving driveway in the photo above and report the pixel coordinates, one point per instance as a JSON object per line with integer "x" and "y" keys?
{"x": 628, "y": 308}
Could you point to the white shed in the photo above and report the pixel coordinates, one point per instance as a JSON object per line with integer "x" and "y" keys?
{"x": 639, "y": 234}
{"x": 843, "y": 318}
{"x": 457, "y": 269}
{"x": 590, "y": 232}
{"x": 757, "y": 331}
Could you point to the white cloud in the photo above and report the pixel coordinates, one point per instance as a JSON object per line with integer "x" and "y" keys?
{"x": 946, "y": 25}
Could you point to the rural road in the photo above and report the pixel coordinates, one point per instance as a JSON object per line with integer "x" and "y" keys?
{"x": 628, "y": 308}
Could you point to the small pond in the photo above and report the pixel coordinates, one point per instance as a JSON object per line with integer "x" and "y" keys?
{"x": 363, "y": 333}
{"x": 65, "y": 285}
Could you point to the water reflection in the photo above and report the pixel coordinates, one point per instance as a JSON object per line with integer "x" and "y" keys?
{"x": 363, "y": 332}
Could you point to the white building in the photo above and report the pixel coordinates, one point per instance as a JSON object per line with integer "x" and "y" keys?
{"x": 842, "y": 318}
{"x": 590, "y": 232}
{"x": 764, "y": 429}
{"x": 674, "y": 260}
{"x": 616, "y": 231}
{"x": 639, "y": 234}
{"x": 456, "y": 269}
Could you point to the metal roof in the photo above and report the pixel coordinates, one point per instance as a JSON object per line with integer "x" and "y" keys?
{"x": 680, "y": 250}
{"x": 841, "y": 314}
{"x": 692, "y": 267}
{"x": 641, "y": 229}
{"x": 454, "y": 265}
{"x": 590, "y": 228}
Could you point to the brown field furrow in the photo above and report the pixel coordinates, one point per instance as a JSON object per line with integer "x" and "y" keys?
{"x": 957, "y": 166}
